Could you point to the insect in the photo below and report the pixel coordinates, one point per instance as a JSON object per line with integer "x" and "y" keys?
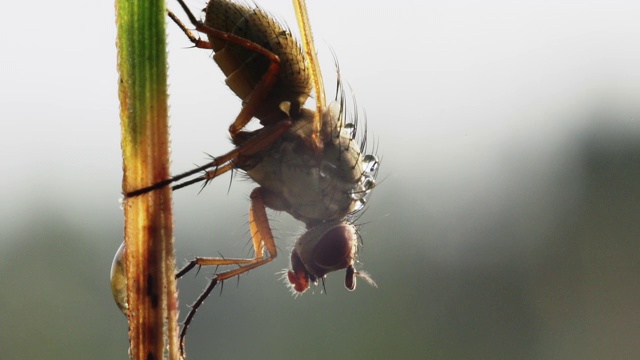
{"x": 307, "y": 162}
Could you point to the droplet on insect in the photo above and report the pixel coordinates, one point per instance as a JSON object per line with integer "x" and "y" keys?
{"x": 370, "y": 163}
{"x": 368, "y": 183}
{"x": 350, "y": 128}
{"x": 360, "y": 204}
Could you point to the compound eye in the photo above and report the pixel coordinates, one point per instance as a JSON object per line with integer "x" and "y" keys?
{"x": 334, "y": 251}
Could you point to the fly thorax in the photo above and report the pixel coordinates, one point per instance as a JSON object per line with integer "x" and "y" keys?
{"x": 315, "y": 188}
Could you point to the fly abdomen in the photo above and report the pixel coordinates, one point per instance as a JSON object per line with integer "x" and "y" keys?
{"x": 245, "y": 68}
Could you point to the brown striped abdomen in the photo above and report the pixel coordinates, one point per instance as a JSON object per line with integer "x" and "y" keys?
{"x": 245, "y": 68}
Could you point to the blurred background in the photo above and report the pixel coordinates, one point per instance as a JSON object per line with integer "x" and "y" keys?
{"x": 505, "y": 224}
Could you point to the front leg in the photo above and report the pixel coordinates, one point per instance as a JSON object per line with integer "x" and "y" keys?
{"x": 262, "y": 238}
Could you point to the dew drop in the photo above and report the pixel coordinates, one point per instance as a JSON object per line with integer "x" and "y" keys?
{"x": 370, "y": 163}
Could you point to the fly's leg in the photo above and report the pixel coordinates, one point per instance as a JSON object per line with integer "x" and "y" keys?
{"x": 261, "y": 90}
{"x": 197, "y": 41}
{"x": 260, "y": 141}
{"x": 224, "y": 163}
{"x": 262, "y": 238}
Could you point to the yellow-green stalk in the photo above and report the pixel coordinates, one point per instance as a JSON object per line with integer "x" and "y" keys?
{"x": 149, "y": 256}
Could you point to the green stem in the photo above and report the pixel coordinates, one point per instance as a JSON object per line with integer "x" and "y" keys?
{"x": 149, "y": 255}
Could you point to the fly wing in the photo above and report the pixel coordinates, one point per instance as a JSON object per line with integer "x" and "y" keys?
{"x": 312, "y": 60}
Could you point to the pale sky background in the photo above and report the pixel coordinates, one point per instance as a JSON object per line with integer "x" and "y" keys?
{"x": 474, "y": 108}
{"x": 444, "y": 84}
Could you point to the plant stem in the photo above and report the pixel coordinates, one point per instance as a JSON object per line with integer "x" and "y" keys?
{"x": 149, "y": 255}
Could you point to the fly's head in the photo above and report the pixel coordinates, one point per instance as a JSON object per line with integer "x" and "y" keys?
{"x": 346, "y": 177}
{"x": 332, "y": 245}
{"x": 322, "y": 249}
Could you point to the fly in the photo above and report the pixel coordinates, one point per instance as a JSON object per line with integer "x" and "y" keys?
{"x": 306, "y": 162}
